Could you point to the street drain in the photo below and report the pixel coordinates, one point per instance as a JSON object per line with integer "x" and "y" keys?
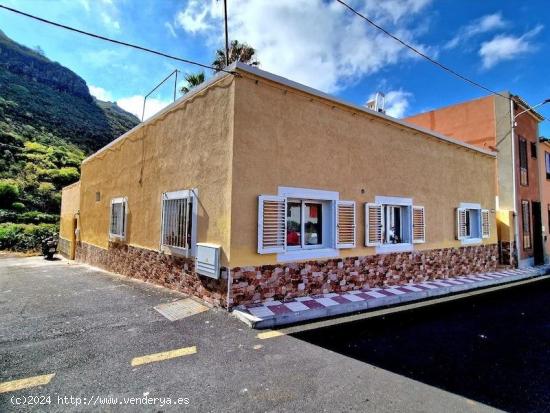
{"x": 177, "y": 310}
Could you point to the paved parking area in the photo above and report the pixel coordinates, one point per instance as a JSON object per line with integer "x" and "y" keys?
{"x": 69, "y": 330}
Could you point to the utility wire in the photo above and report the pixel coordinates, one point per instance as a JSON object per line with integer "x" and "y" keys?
{"x": 97, "y": 36}
{"x": 418, "y": 52}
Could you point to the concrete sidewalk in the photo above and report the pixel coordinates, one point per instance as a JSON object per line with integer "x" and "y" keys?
{"x": 276, "y": 313}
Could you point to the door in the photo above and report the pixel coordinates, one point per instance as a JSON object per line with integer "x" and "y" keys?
{"x": 538, "y": 251}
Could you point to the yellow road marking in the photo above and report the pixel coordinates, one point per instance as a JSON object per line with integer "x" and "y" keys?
{"x": 25, "y": 383}
{"x": 165, "y": 355}
{"x": 269, "y": 334}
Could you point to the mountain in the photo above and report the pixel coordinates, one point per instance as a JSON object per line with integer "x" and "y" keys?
{"x": 48, "y": 123}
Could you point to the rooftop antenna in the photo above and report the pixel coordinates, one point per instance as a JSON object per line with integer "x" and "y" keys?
{"x": 174, "y": 72}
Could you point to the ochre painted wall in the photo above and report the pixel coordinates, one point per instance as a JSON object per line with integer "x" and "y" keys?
{"x": 298, "y": 140}
{"x": 186, "y": 147}
{"x": 70, "y": 204}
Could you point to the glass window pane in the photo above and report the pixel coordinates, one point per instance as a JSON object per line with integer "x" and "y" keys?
{"x": 293, "y": 223}
{"x": 313, "y": 224}
{"x": 394, "y": 224}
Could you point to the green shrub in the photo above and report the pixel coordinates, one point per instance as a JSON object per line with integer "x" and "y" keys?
{"x": 18, "y": 206}
{"x": 7, "y": 215}
{"x": 37, "y": 217}
{"x": 9, "y": 192}
{"x": 64, "y": 176}
{"x": 25, "y": 237}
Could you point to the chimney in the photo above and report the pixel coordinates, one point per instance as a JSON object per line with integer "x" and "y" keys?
{"x": 378, "y": 103}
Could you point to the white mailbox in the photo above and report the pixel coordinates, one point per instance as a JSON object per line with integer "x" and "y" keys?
{"x": 208, "y": 260}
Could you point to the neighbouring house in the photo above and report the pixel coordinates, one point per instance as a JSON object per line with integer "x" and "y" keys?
{"x": 506, "y": 125}
{"x": 293, "y": 192}
{"x": 544, "y": 165}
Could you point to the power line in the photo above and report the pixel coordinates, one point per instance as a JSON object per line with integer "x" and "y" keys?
{"x": 418, "y": 52}
{"x": 97, "y": 36}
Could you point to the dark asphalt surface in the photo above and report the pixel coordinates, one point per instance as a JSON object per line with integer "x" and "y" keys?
{"x": 86, "y": 325}
{"x": 492, "y": 348}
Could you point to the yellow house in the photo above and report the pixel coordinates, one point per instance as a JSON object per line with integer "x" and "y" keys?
{"x": 278, "y": 190}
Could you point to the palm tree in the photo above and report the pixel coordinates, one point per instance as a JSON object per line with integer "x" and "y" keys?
{"x": 237, "y": 52}
{"x": 192, "y": 79}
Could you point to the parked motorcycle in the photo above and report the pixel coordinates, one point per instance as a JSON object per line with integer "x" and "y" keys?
{"x": 49, "y": 247}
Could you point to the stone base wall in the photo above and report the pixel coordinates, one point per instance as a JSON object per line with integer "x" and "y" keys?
{"x": 285, "y": 281}
{"x": 64, "y": 247}
{"x": 169, "y": 271}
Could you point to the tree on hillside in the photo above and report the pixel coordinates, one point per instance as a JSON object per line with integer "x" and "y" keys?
{"x": 193, "y": 80}
{"x": 241, "y": 52}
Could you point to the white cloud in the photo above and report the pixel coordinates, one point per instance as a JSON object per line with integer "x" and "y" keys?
{"x": 100, "y": 93}
{"x": 507, "y": 47}
{"x": 170, "y": 29}
{"x": 195, "y": 18}
{"x": 314, "y": 42}
{"x": 109, "y": 21}
{"x": 397, "y": 102}
{"x": 484, "y": 24}
{"x": 134, "y": 104}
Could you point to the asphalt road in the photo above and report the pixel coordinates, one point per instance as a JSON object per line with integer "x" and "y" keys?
{"x": 492, "y": 348}
{"x": 86, "y": 326}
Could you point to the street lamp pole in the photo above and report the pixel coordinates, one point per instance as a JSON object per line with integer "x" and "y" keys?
{"x": 530, "y": 108}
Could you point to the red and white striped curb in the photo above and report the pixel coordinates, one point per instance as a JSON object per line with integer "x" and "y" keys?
{"x": 271, "y": 309}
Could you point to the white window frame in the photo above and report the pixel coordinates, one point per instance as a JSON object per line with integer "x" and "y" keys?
{"x": 325, "y": 210}
{"x": 330, "y": 199}
{"x": 124, "y": 202}
{"x": 477, "y": 238}
{"x": 191, "y": 194}
{"x": 385, "y": 201}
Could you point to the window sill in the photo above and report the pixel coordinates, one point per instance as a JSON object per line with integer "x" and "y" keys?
{"x": 305, "y": 254}
{"x": 176, "y": 251}
{"x": 117, "y": 238}
{"x": 471, "y": 241}
{"x": 389, "y": 248}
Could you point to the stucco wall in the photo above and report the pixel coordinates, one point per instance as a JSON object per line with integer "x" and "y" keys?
{"x": 70, "y": 204}
{"x": 186, "y": 147}
{"x": 294, "y": 139}
{"x": 527, "y": 127}
{"x": 544, "y": 195}
{"x": 472, "y": 122}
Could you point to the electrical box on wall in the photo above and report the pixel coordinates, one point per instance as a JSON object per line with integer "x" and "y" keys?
{"x": 207, "y": 261}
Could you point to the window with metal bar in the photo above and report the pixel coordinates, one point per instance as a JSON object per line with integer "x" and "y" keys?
{"x": 177, "y": 222}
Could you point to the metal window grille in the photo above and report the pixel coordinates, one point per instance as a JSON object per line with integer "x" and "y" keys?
{"x": 176, "y": 227}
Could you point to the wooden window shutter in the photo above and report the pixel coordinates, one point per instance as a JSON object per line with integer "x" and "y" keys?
{"x": 419, "y": 224}
{"x": 345, "y": 224}
{"x": 485, "y": 223}
{"x": 373, "y": 220}
{"x": 271, "y": 224}
{"x": 460, "y": 223}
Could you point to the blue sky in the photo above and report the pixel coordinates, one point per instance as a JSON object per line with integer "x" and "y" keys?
{"x": 502, "y": 44}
